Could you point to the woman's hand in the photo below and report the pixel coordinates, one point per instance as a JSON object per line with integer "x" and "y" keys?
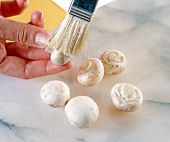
{"x": 25, "y": 57}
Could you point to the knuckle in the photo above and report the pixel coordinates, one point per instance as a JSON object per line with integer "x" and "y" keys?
{"x": 21, "y": 34}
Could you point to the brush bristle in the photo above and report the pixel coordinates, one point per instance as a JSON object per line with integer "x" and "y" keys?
{"x": 71, "y": 36}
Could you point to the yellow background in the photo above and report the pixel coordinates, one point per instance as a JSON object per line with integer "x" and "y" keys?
{"x": 53, "y": 14}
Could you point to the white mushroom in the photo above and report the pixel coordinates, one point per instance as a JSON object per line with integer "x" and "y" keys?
{"x": 126, "y": 97}
{"x": 82, "y": 112}
{"x": 58, "y": 58}
{"x": 55, "y": 93}
{"x": 114, "y": 62}
{"x": 91, "y": 72}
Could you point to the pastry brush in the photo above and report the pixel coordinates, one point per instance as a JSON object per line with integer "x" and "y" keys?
{"x": 71, "y": 35}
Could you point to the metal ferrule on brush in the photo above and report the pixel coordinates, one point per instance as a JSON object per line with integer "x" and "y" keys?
{"x": 83, "y": 9}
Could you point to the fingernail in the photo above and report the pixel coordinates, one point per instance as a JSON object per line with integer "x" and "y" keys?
{"x": 42, "y": 39}
{"x": 41, "y": 20}
{"x": 26, "y": 3}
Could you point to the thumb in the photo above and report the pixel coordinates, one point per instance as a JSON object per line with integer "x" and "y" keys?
{"x": 24, "y": 33}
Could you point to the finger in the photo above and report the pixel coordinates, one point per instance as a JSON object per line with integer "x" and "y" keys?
{"x": 18, "y": 67}
{"x": 15, "y": 7}
{"x": 29, "y": 53}
{"x": 2, "y": 50}
{"x": 23, "y": 33}
{"x": 43, "y": 68}
{"x": 37, "y": 19}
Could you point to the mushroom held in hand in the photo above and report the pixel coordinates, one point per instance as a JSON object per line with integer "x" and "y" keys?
{"x": 58, "y": 58}
{"x": 82, "y": 111}
{"x": 114, "y": 62}
{"x": 126, "y": 97}
{"x": 91, "y": 72}
{"x": 55, "y": 93}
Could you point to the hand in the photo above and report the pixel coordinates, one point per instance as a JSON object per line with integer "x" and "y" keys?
{"x": 25, "y": 57}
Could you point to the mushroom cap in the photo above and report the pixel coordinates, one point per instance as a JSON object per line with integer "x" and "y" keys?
{"x": 114, "y": 62}
{"x": 55, "y": 93}
{"x": 91, "y": 72}
{"x": 58, "y": 58}
{"x": 126, "y": 97}
{"x": 82, "y": 112}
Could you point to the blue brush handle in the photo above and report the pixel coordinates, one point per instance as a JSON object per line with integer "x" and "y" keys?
{"x": 87, "y": 5}
{"x": 83, "y": 9}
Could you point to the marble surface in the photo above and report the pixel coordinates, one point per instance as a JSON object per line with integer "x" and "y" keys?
{"x": 138, "y": 28}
